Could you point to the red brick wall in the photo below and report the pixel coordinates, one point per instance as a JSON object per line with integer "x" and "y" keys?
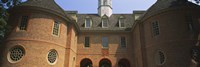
{"x": 71, "y": 47}
{"x": 96, "y": 53}
{"x": 137, "y": 47}
{"x": 37, "y": 40}
{"x": 175, "y": 40}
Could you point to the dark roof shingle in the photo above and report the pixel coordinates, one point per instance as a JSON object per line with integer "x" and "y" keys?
{"x": 46, "y": 4}
{"x": 113, "y": 24}
{"x": 164, "y": 4}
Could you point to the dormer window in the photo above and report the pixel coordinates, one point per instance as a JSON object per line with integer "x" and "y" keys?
{"x": 104, "y": 22}
{"x": 121, "y": 22}
{"x": 88, "y": 23}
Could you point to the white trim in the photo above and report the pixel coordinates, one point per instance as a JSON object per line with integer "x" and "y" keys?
{"x": 56, "y": 57}
{"x": 8, "y": 54}
{"x": 121, "y": 23}
{"x": 86, "y": 22}
{"x": 103, "y": 22}
{"x": 58, "y": 29}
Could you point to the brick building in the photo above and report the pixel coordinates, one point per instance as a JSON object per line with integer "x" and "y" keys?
{"x": 45, "y": 35}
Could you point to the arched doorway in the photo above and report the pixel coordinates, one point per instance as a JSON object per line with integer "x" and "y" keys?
{"x": 123, "y": 63}
{"x": 86, "y": 63}
{"x": 105, "y": 63}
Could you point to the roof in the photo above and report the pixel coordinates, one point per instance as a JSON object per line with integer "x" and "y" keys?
{"x": 71, "y": 12}
{"x": 139, "y": 12}
{"x": 47, "y": 4}
{"x": 164, "y": 4}
{"x": 113, "y": 24}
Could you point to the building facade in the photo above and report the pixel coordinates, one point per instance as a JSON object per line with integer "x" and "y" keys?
{"x": 45, "y": 35}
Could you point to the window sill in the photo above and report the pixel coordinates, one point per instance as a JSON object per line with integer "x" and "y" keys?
{"x": 86, "y": 47}
{"x": 105, "y": 48}
{"x": 87, "y": 27}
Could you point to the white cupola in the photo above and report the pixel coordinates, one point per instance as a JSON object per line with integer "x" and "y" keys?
{"x": 105, "y": 8}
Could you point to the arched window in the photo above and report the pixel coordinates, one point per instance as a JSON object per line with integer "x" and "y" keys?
{"x": 86, "y": 63}
{"x": 123, "y": 63}
{"x": 105, "y": 63}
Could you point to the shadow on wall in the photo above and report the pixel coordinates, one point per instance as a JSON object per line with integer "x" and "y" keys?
{"x": 124, "y": 53}
{"x": 112, "y": 55}
{"x": 2, "y": 51}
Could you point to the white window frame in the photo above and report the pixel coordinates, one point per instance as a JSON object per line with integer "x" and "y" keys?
{"x": 58, "y": 29}
{"x": 122, "y": 22}
{"x": 102, "y": 20}
{"x": 86, "y": 22}
{"x": 9, "y": 56}
{"x": 57, "y": 56}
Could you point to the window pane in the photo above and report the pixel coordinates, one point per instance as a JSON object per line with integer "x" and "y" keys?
{"x": 88, "y": 23}
{"x": 104, "y": 42}
{"x": 155, "y": 28}
{"x": 122, "y": 22}
{"x": 105, "y": 22}
{"x": 123, "y": 42}
{"x": 23, "y": 23}
{"x": 87, "y": 42}
{"x": 56, "y": 28}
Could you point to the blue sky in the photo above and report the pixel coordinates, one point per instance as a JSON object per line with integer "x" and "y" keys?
{"x": 119, "y": 6}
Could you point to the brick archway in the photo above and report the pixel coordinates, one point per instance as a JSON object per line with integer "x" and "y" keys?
{"x": 123, "y": 63}
{"x": 105, "y": 63}
{"x": 86, "y": 63}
